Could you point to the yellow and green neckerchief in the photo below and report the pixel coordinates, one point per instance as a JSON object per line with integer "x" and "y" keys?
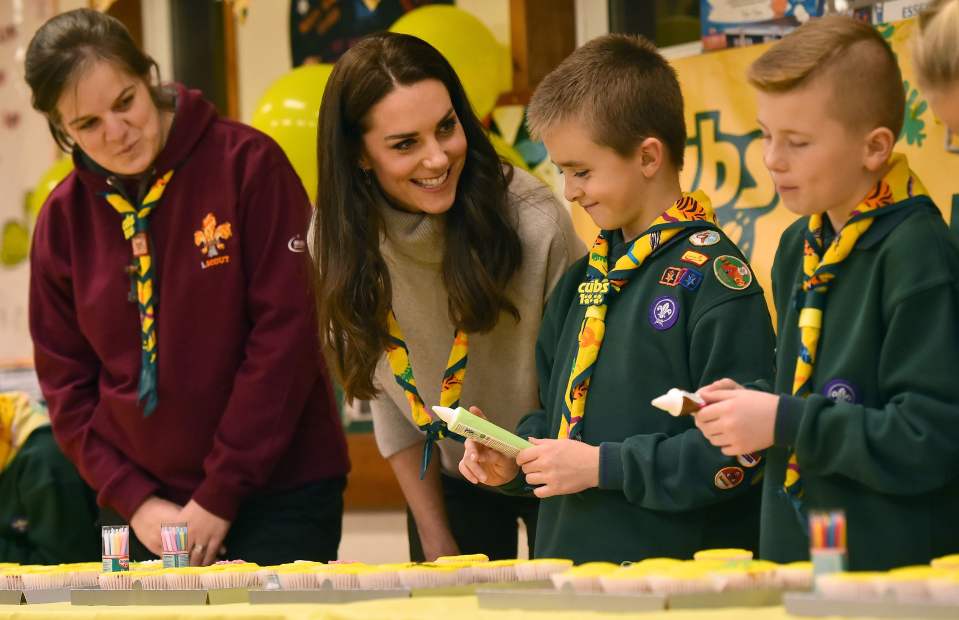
{"x": 136, "y": 229}
{"x": 820, "y": 268}
{"x": 18, "y": 419}
{"x": 691, "y": 210}
{"x": 399, "y": 357}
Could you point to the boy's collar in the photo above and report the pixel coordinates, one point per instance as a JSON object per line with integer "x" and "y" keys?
{"x": 888, "y": 218}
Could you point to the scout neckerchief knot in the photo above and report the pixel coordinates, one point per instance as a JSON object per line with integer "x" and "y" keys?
{"x": 820, "y": 268}
{"x": 136, "y": 228}
{"x": 692, "y": 210}
{"x": 399, "y": 358}
{"x": 18, "y": 419}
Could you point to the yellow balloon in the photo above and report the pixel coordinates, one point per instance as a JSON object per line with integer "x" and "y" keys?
{"x": 50, "y": 179}
{"x": 504, "y": 150}
{"x": 466, "y": 43}
{"x": 288, "y": 112}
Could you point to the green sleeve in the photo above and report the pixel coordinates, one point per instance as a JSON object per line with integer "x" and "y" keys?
{"x": 910, "y": 445}
{"x": 677, "y": 473}
{"x": 56, "y": 504}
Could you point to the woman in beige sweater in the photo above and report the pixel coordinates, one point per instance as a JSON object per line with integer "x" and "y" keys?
{"x": 433, "y": 258}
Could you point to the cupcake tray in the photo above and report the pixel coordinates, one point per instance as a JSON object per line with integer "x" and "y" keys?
{"x": 137, "y": 596}
{"x": 34, "y": 597}
{"x": 329, "y": 595}
{"x": 811, "y": 604}
{"x": 554, "y": 600}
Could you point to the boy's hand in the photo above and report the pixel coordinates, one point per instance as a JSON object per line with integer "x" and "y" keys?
{"x": 482, "y": 465}
{"x": 561, "y": 466}
{"x": 738, "y": 421}
{"x": 719, "y": 384}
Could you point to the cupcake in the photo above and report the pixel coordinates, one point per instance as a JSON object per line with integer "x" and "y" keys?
{"x": 45, "y": 578}
{"x": 794, "y": 576}
{"x": 688, "y": 578}
{"x": 499, "y": 571}
{"x": 115, "y": 581}
{"x": 948, "y": 562}
{"x": 627, "y": 580}
{"x": 730, "y": 579}
{"x": 185, "y": 578}
{"x": 150, "y": 579}
{"x": 724, "y": 555}
{"x": 382, "y": 577}
{"x": 583, "y": 578}
{"x": 347, "y": 577}
{"x": 857, "y": 586}
{"x": 944, "y": 587}
{"x": 293, "y": 578}
{"x": 540, "y": 570}
{"x": 762, "y": 574}
{"x": 430, "y": 576}
{"x": 84, "y": 574}
{"x": 909, "y": 584}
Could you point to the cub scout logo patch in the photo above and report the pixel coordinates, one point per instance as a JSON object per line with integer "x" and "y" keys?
{"x": 696, "y": 258}
{"x": 728, "y": 478}
{"x": 20, "y": 525}
{"x": 691, "y": 279}
{"x": 749, "y": 460}
{"x": 210, "y": 240}
{"x": 704, "y": 238}
{"x": 663, "y": 313}
{"x": 593, "y": 293}
{"x": 840, "y": 391}
{"x": 672, "y": 276}
{"x": 732, "y": 272}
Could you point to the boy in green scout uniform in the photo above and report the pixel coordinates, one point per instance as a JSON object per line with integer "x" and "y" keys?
{"x": 865, "y": 415}
{"x": 664, "y": 299}
{"x": 47, "y": 514}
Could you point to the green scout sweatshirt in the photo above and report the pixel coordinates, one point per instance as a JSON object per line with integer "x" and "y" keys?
{"x": 47, "y": 513}
{"x": 691, "y": 315}
{"x": 879, "y": 435}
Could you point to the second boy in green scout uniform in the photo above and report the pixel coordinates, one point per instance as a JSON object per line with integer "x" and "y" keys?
{"x": 866, "y": 419}
{"x": 663, "y": 300}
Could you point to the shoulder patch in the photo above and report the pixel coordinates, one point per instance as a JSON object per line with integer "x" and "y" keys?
{"x": 691, "y": 279}
{"x": 697, "y": 258}
{"x": 672, "y": 276}
{"x": 704, "y": 238}
{"x": 732, "y": 272}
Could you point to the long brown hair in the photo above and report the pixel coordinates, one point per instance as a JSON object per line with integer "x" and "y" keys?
{"x": 67, "y": 43}
{"x": 482, "y": 249}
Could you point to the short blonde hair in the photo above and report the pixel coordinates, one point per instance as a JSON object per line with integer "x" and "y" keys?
{"x": 935, "y": 45}
{"x": 860, "y": 65}
{"x": 621, "y": 88}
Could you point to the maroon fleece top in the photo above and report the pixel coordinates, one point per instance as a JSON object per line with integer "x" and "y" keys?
{"x": 245, "y": 403}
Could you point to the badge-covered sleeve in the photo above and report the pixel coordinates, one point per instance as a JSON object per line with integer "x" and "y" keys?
{"x": 730, "y": 335}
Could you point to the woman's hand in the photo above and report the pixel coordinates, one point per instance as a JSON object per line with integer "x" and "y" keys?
{"x": 482, "y": 465}
{"x": 147, "y": 519}
{"x": 206, "y": 532}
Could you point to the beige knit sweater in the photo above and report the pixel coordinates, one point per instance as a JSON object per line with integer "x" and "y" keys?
{"x": 501, "y": 372}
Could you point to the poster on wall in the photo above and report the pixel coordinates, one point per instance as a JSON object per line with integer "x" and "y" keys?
{"x": 322, "y": 30}
{"x": 26, "y": 152}
{"x": 737, "y": 23}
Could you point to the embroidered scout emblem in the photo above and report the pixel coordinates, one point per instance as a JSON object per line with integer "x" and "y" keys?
{"x": 210, "y": 240}
{"x": 691, "y": 279}
{"x": 696, "y": 258}
{"x": 20, "y": 525}
{"x": 749, "y": 460}
{"x": 729, "y": 478}
{"x": 732, "y": 272}
{"x": 840, "y": 391}
{"x": 672, "y": 276}
{"x": 663, "y": 313}
{"x": 704, "y": 238}
{"x": 593, "y": 292}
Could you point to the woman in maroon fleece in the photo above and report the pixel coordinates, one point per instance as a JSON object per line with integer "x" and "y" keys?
{"x": 173, "y": 328}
